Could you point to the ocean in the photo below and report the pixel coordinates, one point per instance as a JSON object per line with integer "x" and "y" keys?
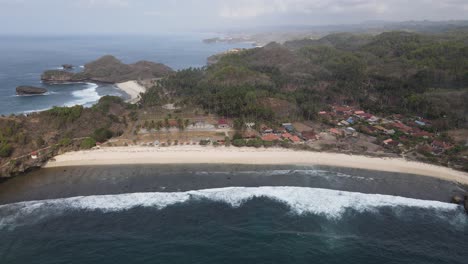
{"x": 229, "y": 214}
{"x": 24, "y": 58}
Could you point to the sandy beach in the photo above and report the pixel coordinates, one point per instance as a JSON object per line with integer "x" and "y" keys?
{"x": 132, "y": 88}
{"x": 249, "y": 156}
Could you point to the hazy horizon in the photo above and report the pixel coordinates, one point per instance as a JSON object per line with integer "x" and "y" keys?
{"x": 156, "y": 17}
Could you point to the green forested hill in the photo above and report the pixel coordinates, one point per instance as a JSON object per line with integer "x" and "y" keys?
{"x": 394, "y": 72}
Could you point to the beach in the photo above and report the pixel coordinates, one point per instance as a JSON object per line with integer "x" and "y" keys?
{"x": 133, "y": 89}
{"x": 229, "y": 155}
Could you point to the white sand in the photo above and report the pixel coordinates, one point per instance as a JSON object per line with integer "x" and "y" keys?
{"x": 132, "y": 88}
{"x": 223, "y": 155}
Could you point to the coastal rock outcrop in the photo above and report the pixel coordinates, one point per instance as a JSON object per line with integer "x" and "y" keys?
{"x": 457, "y": 199}
{"x": 57, "y": 76}
{"x": 30, "y": 90}
{"x": 67, "y": 67}
{"x": 109, "y": 69}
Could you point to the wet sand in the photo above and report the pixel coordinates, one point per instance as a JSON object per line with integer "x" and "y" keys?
{"x": 64, "y": 182}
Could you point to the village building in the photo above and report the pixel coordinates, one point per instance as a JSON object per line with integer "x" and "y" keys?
{"x": 309, "y": 135}
{"x": 343, "y": 110}
{"x": 295, "y": 139}
{"x": 270, "y": 138}
{"x": 286, "y": 136}
{"x": 223, "y": 124}
{"x": 289, "y": 127}
{"x": 439, "y": 147}
{"x": 336, "y": 132}
{"x": 266, "y": 130}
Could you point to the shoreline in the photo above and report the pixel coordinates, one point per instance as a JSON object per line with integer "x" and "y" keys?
{"x": 133, "y": 89}
{"x": 248, "y": 156}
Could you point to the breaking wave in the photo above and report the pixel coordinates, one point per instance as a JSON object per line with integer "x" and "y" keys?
{"x": 86, "y": 96}
{"x": 328, "y": 203}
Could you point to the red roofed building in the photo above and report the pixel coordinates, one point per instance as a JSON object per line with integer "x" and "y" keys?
{"x": 309, "y": 135}
{"x": 270, "y": 138}
{"x": 295, "y": 139}
{"x": 402, "y": 127}
{"x": 423, "y": 134}
{"x": 286, "y": 136}
{"x": 223, "y": 124}
{"x": 173, "y": 123}
{"x": 343, "y": 110}
{"x": 336, "y": 132}
{"x": 440, "y": 146}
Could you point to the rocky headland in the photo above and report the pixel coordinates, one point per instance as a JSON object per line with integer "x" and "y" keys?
{"x": 109, "y": 69}
{"x": 30, "y": 90}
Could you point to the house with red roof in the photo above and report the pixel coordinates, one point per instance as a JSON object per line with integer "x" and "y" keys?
{"x": 223, "y": 124}
{"x": 336, "y": 132}
{"x": 295, "y": 139}
{"x": 270, "y": 138}
{"x": 309, "y": 135}
{"x": 286, "y": 136}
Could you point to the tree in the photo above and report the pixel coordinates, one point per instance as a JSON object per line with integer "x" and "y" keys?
{"x": 5, "y": 150}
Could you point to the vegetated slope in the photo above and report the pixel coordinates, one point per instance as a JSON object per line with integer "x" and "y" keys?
{"x": 110, "y": 70}
{"x": 389, "y": 73}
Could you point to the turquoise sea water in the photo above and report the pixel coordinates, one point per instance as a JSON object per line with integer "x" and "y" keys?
{"x": 24, "y": 58}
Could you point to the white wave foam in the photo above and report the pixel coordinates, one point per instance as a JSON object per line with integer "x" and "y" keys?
{"x": 86, "y": 96}
{"x": 329, "y": 203}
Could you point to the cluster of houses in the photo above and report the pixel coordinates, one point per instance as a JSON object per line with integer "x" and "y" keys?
{"x": 287, "y": 133}
{"x": 397, "y": 131}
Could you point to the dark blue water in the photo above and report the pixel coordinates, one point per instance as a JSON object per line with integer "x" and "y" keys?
{"x": 24, "y": 58}
{"x": 234, "y": 225}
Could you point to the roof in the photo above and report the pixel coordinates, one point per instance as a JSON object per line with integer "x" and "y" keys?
{"x": 388, "y": 141}
{"x": 441, "y": 144}
{"x": 295, "y": 139}
{"x": 173, "y": 123}
{"x": 309, "y": 134}
{"x": 423, "y": 134}
{"x": 335, "y": 131}
{"x": 359, "y": 112}
{"x": 222, "y": 122}
{"x": 381, "y": 128}
{"x": 270, "y": 137}
{"x": 286, "y": 135}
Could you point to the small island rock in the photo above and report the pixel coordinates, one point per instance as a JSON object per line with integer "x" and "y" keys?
{"x": 29, "y": 90}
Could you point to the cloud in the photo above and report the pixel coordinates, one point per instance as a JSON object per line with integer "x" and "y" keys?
{"x": 256, "y": 8}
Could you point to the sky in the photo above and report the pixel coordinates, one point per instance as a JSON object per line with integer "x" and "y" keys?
{"x": 160, "y": 16}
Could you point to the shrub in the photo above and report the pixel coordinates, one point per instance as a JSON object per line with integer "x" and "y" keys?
{"x": 5, "y": 150}
{"x": 204, "y": 142}
{"x": 88, "y": 143}
{"x": 64, "y": 142}
{"x": 102, "y": 134}
{"x": 239, "y": 143}
{"x": 227, "y": 142}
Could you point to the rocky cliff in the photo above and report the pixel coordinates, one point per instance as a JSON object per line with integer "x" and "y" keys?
{"x": 109, "y": 69}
